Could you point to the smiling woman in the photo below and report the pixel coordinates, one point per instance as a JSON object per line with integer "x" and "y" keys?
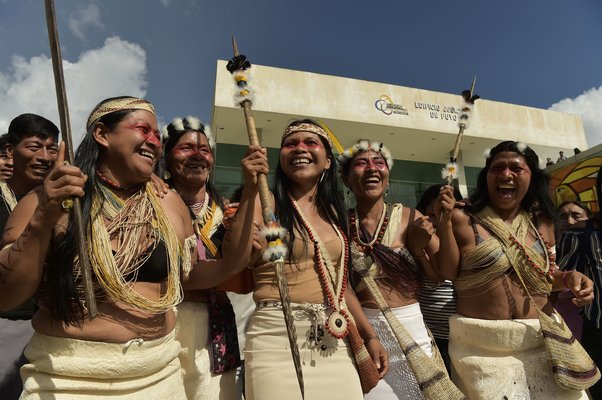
{"x": 400, "y": 244}
{"x": 310, "y": 207}
{"x": 207, "y": 372}
{"x": 497, "y": 251}
{"x": 139, "y": 244}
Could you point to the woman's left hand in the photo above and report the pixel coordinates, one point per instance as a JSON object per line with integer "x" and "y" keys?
{"x": 161, "y": 188}
{"x": 581, "y": 286}
{"x": 379, "y": 356}
{"x": 420, "y": 232}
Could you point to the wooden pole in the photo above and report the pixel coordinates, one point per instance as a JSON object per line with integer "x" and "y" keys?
{"x": 61, "y": 98}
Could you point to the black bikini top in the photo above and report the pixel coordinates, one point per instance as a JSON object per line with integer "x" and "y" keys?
{"x": 155, "y": 267}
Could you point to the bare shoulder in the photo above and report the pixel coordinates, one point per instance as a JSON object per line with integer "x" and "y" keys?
{"x": 173, "y": 199}
{"x": 462, "y": 227}
{"x": 177, "y": 212}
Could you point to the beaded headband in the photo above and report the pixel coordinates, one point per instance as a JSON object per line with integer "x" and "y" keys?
{"x": 307, "y": 127}
{"x": 111, "y": 106}
{"x": 189, "y": 123}
{"x": 360, "y": 147}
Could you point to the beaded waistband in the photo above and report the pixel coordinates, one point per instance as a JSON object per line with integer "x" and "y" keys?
{"x": 295, "y": 306}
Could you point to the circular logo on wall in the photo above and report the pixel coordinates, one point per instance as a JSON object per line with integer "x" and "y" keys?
{"x": 386, "y": 105}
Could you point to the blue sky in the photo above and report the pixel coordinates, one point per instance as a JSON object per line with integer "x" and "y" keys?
{"x": 540, "y": 53}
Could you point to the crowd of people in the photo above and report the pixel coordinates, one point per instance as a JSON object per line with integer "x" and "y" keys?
{"x": 448, "y": 300}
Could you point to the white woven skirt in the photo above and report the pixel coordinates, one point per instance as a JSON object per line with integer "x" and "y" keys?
{"x": 269, "y": 369}
{"x": 399, "y": 383}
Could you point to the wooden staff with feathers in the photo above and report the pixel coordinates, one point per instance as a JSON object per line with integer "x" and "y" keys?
{"x": 451, "y": 168}
{"x": 274, "y": 233}
{"x": 74, "y": 204}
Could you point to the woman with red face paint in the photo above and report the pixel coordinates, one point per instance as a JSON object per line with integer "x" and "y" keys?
{"x": 309, "y": 205}
{"x": 497, "y": 252}
{"x": 205, "y": 323}
{"x": 400, "y": 242}
{"x": 139, "y": 246}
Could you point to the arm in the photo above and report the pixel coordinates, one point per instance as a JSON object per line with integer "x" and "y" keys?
{"x": 238, "y": 240}
{"x": 581, "y": 286}
{"x": 423, "y": 245}
{"x": 372, "y": 342}
{"x": 29, "y": 231}
{"x": 448, "y": 257}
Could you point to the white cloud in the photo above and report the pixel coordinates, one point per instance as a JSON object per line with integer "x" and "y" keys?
{"x": 588, "y": 106}
{"x": 83, "y": 18}
{"x": 117, "y": 68}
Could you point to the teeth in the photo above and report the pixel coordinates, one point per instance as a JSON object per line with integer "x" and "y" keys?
{"x": 147, "y": 154}
{"x": 506, "y": 186}
{"x": 373, "y": 180}
{"x": 300, "y": 161}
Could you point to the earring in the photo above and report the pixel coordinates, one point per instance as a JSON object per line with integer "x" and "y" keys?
{"x": 322, "y": 176}
{"x": 387, "y": 192}
{"x": 166, "y": 174}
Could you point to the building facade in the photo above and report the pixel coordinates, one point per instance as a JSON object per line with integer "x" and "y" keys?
{"x": 418, "y": 126}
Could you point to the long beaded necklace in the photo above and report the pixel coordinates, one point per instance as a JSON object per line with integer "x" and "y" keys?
{"x": 337, "y": 323}
{"x": 380, "y": 229}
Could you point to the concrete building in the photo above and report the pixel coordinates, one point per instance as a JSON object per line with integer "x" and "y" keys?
{"x": 418, "y": 126}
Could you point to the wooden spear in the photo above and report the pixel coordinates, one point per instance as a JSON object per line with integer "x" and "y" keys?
{"x": 239, "y": 63}
{"x": 61, "y": 98}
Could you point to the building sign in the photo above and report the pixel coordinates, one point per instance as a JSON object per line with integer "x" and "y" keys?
{"x": 386, "y": 105}
{"x": 437, "y": 111}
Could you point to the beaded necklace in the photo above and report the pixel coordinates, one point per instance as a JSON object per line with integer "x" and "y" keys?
{"x": 113, "y": 185}
{"x": 380, "y": 229}
{"x": 135, "y": 223}
{"x": 198, "y": 208}
{"x": 337, "y": 323}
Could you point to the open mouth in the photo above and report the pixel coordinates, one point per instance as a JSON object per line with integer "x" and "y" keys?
{"x": 42, "y": 169}
{"x": 300, "y": 161}
{"x": 506, "y": 191}
{"x": 196, "y": 164}
{"x": 372, "y": 180}
{"x": 147, "y": 154}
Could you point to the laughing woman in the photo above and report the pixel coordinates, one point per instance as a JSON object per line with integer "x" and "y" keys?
{"x": 309, "y": 205}
{"x": 400, "y": 240}
{"x": 208, "y": 374}
{"x": 496, "y": 253}
{"x": 138, "y": 245}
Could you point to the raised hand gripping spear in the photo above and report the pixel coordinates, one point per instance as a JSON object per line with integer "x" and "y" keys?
{"x": 450, "y": 172}
{"x": 274, "y": 233}
{"x": 61, "y": 98}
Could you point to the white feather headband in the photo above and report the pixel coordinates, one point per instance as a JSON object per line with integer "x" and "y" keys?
{"x": 520, "y": 146}
{"x": 360, "y": 147}
{"x": 190, "y": 123}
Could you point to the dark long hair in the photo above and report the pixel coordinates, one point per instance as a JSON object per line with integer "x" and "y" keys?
{"x": 432, "y": 193}
{"x": 61, "y": 291}
{"x": 537, "y": 199}
{"x": 173, "y": 136}
{"x": 328, "y": 199}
